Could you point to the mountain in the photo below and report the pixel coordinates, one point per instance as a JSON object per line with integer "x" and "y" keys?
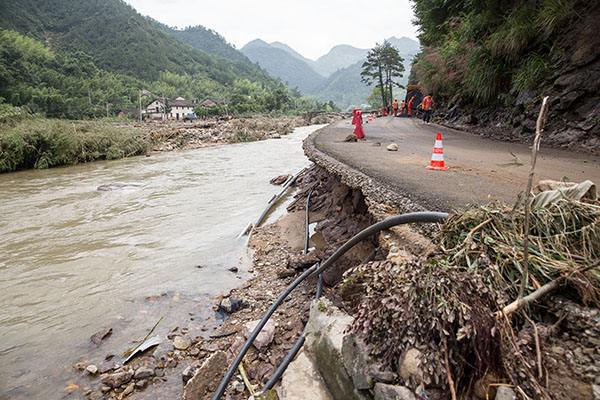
{"x": 208, "y": 41}
{"x": 340, "y": 56}
{"x": 85, "y": 59}
{"x": 283, "y": 65}
{"x": 293, "y": 53}
{"x": 118, "y": 39}
{"x": 344, "y": 87}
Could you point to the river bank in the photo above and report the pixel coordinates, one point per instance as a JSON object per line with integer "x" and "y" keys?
{"x": 38, "y": 143}
{"x": 160, "y": 243}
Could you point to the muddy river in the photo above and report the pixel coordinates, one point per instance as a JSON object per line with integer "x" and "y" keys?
{"x": 158, "y": 242}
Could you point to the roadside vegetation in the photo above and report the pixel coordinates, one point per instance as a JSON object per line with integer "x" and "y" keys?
{"x": 487, "y": 52}
{"x": 28, "y": 141}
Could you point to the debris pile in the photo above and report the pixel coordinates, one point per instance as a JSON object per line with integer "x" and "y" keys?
{"x": 167, "y": 136}
{"x": 457, "y": 308}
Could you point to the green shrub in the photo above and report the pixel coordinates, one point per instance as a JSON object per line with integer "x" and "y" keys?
{"x": 45, "y": 143}
{"x": 554, "y": 13}
{"x": 531, "y": 73}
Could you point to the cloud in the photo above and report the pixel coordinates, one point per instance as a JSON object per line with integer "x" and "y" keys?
{"x": 311, "y": 27}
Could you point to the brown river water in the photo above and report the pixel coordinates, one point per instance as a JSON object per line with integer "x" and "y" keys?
{"x": 74, "y": 260}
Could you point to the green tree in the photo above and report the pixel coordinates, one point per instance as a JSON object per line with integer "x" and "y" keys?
{"x": 384, "y": 66}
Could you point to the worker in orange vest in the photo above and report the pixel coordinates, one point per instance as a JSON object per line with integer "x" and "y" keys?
{"x": 410, "y": 104}
{"x": 427, "y": 107}
{"x": 358, "y": 128}
{"x": 395, "y": 107}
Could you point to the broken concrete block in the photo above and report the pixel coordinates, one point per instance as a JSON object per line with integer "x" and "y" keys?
{"x": 302, "y": 381}
{"x": 207, "y": 377}
{"x": 324, "y": 338}
{"x": 383, "y": 391}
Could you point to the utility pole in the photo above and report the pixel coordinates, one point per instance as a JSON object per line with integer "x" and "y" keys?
{"x": 140, "y": 103}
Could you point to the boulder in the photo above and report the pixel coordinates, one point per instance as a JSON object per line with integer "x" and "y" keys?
{"x": 265, "y": 337}
{"x": 92, "y": 369}
{"x": 324, "y": 338}
{"x": 410, "y": 365}
{"x": 143, "y": 373}
{"x": 383, "y": 391}
{"x": 207, "y": 377}
{"x": 117, "y": 379}
{"x": 351, "y": 138}
{"x": 301, "y": 381}
{"x": 230, "y": 305}
{"x": 392, "y": 147}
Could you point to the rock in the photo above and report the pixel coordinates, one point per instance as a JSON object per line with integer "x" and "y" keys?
{"x": 410, "y": 365}
{"x": 392, "y": 147}
{"x": 286, "y": 273}
{"x": 279, "y": 180}
{"x": 505, "y": 393}
{"x": 194, "y": 351}
{"x": 265, "y": 337}
{"x": 304, "y": 261}
{"x": 238, "y": 386}
{"x": 141, "y": 384}
{"x": 361, "y": 367}
{"x": 143, "y": 373}
{"x": 92, "y": 369}
{"x": 159, "y": 372}
{"x": 383, "y": 391}
{"x": 324, "y": 338}
{"x": 276, "y": 136}
{"x": 301, "y": 381}
{"x": 117, "y": 379}
{"x": 182, "y": 342}
{"x": 207, "y": 377}
{"x": 105, "y": 388}
{"x": 106, "y": 366}
{"x": 188, "y": 373}
{"x": 230, "y": 305}
{"x": 351, "y": 138}
{"x": 233, "y": 269}
{"x": 99, "y": 336}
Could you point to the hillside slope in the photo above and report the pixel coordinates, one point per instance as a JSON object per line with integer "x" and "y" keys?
{"x": 281, "y": 64}
{"x": 495, "y": 62}
{"x": 117, "y": 38}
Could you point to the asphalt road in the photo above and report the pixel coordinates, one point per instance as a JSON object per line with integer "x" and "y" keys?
{"x": 481, "y": 169}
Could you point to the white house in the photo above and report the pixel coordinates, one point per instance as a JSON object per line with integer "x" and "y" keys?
{"x": 155, "y": 110}
{"x": 180, "y": 107}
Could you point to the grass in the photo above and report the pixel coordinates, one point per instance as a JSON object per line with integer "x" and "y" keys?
{"x": 44, "y": 143}
{"x": 531, "y": 73}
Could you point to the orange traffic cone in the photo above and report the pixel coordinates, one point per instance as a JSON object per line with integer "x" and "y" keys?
{"x": 437, "y": 158}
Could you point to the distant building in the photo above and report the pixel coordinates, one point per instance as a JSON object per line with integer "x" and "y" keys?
{"x": 180, "y": 107}
{"x": 155, "y": 110}
{"x": 212, "y": 102}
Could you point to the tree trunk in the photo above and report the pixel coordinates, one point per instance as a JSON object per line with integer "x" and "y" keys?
{"x": 381, "y": 85}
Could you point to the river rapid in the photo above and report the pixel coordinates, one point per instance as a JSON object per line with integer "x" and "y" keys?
{"x": 159, "y": 243}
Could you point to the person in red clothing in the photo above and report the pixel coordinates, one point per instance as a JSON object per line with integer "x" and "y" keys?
{"x": 358, "y": 129}
{"x": 354, "y": 116}
{"x": 395, "y": 107}
{"x": 384, "y": 111}
{"x": 427, "y": 107}
{"x": 409, "y": 107}
{"x": 402, "y": 107}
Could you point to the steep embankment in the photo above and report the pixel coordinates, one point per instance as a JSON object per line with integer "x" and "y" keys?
{"x": 495, "y": 62}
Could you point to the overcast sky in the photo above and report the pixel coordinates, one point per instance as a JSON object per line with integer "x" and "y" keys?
{"x": 311, "y": 27}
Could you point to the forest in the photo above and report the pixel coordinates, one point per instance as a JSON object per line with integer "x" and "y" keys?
{"x": 58, "y": 62}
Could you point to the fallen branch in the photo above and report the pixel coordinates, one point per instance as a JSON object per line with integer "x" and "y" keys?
{"x": 539, "y": 128}
{"x": 541, "y": 292}
{"x": 448, "y": 372}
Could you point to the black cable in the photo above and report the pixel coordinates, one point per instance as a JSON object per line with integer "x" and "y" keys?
{"x": 416, "y": 217}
